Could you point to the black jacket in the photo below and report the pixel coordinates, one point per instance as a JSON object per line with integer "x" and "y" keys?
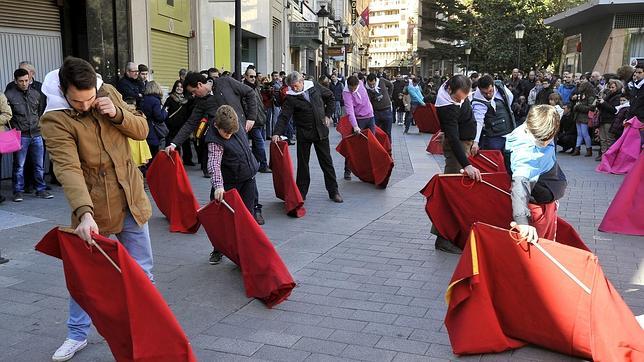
{"x": 225, "y": 90}
{"x": 238, "y": 164}
{"x": 131, "y": 90}
{"x": 37, "y": 86}
{"x": 607, "y": 109}
{"x": 458, "y": 124}
{"x": 26, "y": 109}
{"x": 636, "y": 99}
{"x": 308, "y": 116}
{"x": 396, "y": 96}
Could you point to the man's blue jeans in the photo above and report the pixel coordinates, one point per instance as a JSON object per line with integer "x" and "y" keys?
{"x": 258, "y": 136}
{"x": 136, "y": 240}
{"x": 34, "y": 148}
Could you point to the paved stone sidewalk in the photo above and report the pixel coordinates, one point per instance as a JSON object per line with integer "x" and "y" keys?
{"x": 370, "y": 284}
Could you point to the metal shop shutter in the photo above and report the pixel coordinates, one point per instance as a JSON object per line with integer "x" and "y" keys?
{"x": 30, "y": 14}
{"x": 169, "y": 54}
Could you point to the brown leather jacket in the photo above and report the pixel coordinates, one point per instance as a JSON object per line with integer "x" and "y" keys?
{"x": 93, "y": 162}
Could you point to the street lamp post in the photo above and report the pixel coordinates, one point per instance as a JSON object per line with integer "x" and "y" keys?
{"x": 346, "y": 38}
{"x": 468, "y": 51}
{"x": 519, "y": 31}
{"x": 323, "y": 18}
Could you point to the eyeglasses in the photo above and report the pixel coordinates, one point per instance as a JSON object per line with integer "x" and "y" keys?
{"x": 252, "y": 76}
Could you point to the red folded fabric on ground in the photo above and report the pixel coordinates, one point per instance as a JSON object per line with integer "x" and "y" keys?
{"x": 623, "y": 154}
{"x": 171, "y": 190}
{"x": 625, "y": 215}
{"x": 283, "y": 180}
{"x": 426, "y": 119}
{"x": 344, "y": 128}
{"x": 435, "y": 145}
{"x": 384, "y": 140}
{"x": 367, "y": 158}
{"x": 488, "y": 161}
{"x": 237, "y": 236}
{"x": 455, "y": 203}
{"x": 126, "y": 308}
{"x": 504, "y": 295}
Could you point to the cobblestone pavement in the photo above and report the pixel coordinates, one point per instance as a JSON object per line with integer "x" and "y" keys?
{"x": 370, "y": 284}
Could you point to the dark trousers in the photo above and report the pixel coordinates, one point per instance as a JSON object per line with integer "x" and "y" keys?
{"x": 492, "y": 143}
{"x": 364, "y": 123}
{"x": 384, "y": 119}
{"x": 247, "y": 191}
{"x": 186, "y": 152}
{"x": 202, "y": 154}
{"x": 323, "y": 151}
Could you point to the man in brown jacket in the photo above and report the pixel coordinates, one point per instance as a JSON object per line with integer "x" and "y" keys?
{"x": 86, "y": 126}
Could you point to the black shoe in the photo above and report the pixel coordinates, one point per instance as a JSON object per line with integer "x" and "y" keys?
{"x": 215, "y": 258}
{"x": 290, "y": 143}
{"x": 445, "y": 245}
{"x": 3, "y": 260}
{"x": 17, "y": 197}
{"x": 336, "y": 198}
{"x": 259, "y": 218}
{"x": 265, "y": 170}
{"x": 347, "y": 175}
{"x": 206, "y": 174}
{"x": 44, "y": 194}
{"x": 2, "y": 199}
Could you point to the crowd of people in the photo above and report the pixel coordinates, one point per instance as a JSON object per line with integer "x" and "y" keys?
{"x": 98, "y": 134}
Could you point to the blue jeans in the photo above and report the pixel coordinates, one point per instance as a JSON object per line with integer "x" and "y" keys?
{"x": 35, "y": 149}
{"x": 258, "y": 136}
{"x": 582, "y": 135}
{"x": 384, "y": 119}
{"x": 136, "y": 240}
{"x": 492, "y": 143}
{"x": 337, "y": 113}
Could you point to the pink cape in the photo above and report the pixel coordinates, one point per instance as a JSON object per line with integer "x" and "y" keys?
{"x": 624, "y": 215}
{"x": 622, "y": 155}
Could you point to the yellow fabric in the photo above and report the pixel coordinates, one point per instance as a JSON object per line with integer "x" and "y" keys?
{"x": 140, "y": 152}
{"x": 475, "y": 267}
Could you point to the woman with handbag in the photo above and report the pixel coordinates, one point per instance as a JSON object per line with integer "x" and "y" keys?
{"x": 178, "y": 111}
{"x": 583, "y": 100}
{"x": 156, "y": 116}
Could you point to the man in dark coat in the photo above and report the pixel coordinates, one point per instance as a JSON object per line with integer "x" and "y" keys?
{"x": 311, "y": 107}
{"x": 209, "y": 96}
{"x": 130, "y": 87}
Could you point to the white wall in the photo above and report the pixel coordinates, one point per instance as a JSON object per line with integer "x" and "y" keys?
{"x": 140, "y": 32}
{"x": 255, "y": 19}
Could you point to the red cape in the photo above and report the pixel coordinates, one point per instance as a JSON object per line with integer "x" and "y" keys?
{"x": 435, "y": 145}
{"x": 622, "y": 156}
{"x": 455, "y": 203}
{"x": 488, "y": 161}
{"x": 126, "y": 308}
{"x": 367, "y": 158}
{"x": 625, "y": 215}
{"x": 344, "y": 128}
{"x": 172, "y": 192}
{"x": 283, "y": 180}
{"x": 238, "y": 236}
{"x": 504, "y": 295}
{"x": 426, "y": 119}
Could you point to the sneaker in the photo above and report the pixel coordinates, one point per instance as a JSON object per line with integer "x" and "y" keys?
{"x": 259, "y": 218}
{"x": 17, "y": 197}
{"x": 347, "y": 175}
{"x": 215, "y": 258}
{"x": 265, "y": 170}
{"x": 68, "y": 349}
{"x": 447, "y": 246}
{"x": 44, "y": 195}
